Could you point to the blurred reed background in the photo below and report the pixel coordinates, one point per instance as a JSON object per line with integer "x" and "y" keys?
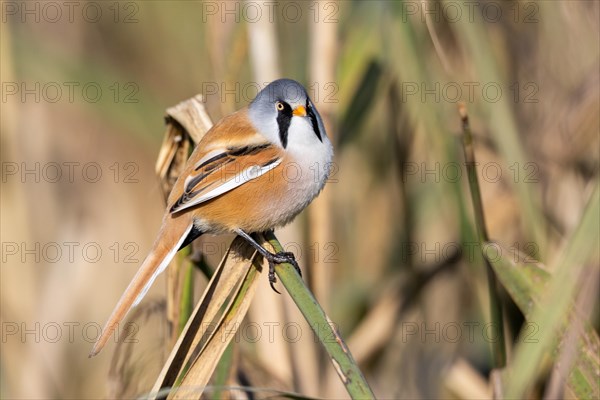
{"x": 85, "y": 86}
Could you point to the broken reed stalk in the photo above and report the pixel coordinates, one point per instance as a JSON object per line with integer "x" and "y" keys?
{"x": 186, "y": 123}
{"x": 496, "y": 312}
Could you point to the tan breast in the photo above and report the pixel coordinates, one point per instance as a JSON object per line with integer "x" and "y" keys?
{"x": 264, "y": 203}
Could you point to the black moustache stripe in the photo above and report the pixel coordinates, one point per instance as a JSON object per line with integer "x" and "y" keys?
{"x": 284, "y": 119}
{"x": 313, "y": 121}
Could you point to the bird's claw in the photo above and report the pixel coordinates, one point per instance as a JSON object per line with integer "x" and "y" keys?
{"x": 272, "y": 278}
{"x": 280, "y": 258}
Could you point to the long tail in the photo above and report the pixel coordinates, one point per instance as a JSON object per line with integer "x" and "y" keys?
{"x": 163, "y": 251}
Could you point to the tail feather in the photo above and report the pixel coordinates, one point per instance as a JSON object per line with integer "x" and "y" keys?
{"x": 155, "y": 263}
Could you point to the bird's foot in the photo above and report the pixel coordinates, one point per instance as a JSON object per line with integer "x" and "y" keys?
{"x": 280, "y": 258}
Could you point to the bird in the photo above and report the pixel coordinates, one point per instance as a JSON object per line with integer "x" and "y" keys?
{"x": 253, "y": 171}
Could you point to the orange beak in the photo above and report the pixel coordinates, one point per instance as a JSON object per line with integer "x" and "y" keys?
{"x": 299, "y": 111}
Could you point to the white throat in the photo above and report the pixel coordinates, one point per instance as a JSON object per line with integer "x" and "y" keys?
{"x": 313, "y": 158}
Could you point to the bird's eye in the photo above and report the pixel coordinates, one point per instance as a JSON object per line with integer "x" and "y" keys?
{"x": 279, "y": 106}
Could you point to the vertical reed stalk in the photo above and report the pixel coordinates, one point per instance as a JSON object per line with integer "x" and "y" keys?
{"x": 496, "y": 313}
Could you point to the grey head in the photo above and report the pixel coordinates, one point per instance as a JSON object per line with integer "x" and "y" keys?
{"x": 284, "y": 114}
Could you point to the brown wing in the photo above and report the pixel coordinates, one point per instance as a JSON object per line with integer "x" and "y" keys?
{"x": 223, "y": 169}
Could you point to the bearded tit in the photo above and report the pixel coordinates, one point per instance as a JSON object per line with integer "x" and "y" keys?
{"x": 236, "y": 181}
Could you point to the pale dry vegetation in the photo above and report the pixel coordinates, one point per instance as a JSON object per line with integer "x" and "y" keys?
{"x": 390, "y": 249}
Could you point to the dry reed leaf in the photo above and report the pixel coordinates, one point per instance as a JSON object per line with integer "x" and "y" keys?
{"x": 187, "y": 122}
{"x": 208, "y": 352}
{"x": 466, "y": 382}
{"x": 225, "y": 282}
{"x": 527, "y": 282}
{"x": 171, "y": 157}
